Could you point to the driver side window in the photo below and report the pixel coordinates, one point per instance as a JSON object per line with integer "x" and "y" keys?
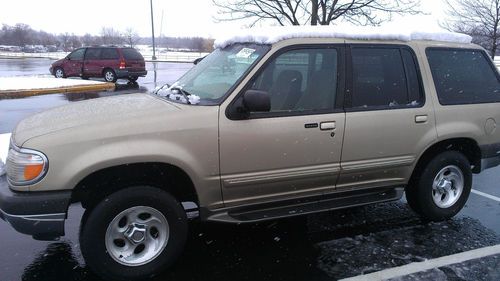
{"x": 77, "y": 55}
{"x": 301, "y": 80}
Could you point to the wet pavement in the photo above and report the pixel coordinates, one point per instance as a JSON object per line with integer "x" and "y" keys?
{"x": 325, "y": 246}
{"x": 14, "y": 110}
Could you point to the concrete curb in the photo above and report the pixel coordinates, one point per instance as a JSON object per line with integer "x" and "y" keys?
{"x": 11, "y": 94}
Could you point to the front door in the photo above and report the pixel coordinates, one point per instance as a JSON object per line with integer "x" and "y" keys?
{"x": 388, "y": 120}
{"x": 294, "y": 149}
{"x": 74, "y": 63}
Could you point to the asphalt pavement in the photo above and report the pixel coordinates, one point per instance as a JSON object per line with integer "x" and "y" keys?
{"x": 325, "y": 246}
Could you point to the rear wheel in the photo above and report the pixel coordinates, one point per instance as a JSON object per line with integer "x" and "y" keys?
{"x": 133, "y": 234}
{"x": 59, "y": 73}
{"x": 109, "y": 75}
{"x": 442, "y": 188}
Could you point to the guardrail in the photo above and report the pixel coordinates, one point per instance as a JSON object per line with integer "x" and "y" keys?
{"x": 166, "y": 57}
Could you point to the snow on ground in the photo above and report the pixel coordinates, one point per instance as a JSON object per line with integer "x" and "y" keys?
{"x": 4, "y": 148}
{"x": 393, "y": 31}
{"x": 28, "y": 83}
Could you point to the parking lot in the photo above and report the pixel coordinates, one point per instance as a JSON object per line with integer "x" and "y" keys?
{"x": 325, "y": 246}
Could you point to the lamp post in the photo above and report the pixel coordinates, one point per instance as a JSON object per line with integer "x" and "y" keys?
{"x": 153, "y": 30}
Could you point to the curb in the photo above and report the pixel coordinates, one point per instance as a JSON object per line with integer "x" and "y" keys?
{"x": 69, "y": 89}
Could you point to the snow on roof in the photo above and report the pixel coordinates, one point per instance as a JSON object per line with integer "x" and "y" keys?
{"x": 392, "y": 31}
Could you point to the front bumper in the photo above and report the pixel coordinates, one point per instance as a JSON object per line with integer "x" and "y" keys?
{"x": 39, "y": 214}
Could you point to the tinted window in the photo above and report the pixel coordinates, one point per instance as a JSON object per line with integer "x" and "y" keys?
{"x": 300, "y": 80}
{"x": 77, "y": 54}
{"x": 131, "y": 54}
{"x": 109, "y": 54}
{"x": 93, "y": 54}
{"x": 463, "y": 76}
{"x": 415, "y": 92}
{"x": 379, "y": 78}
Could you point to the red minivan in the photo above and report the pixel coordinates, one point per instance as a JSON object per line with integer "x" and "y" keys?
{"x": 110, "y": 63}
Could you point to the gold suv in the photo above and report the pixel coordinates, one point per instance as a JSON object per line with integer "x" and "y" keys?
{"x": 265, "y": 127}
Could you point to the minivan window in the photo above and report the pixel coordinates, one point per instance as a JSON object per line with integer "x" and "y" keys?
{"x": 131, "y": 54}
{"x": 301, "y": 80}
{"x": 463, "y": 76}
{"x": 77, "y": 54}
{"x": 109, "y": 54}
{"x": 384, "y": 77}
{"x": 93, "y": 54}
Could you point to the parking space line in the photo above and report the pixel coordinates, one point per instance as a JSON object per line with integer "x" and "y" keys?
{"x": 485, "y": 195}
{"x": 415, "y": 267}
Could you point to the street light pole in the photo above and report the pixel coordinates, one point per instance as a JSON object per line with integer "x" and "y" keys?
{"x": 153, "y": 30}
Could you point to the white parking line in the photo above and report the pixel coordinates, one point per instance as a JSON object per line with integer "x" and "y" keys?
{"x": 486, "y": 195}
{"x": 427, "y": 265}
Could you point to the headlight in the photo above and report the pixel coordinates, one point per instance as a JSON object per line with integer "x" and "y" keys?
{"x": 25, "y": 166}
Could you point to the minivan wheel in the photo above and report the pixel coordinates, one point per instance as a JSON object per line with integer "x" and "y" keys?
{"x": 442, "y": 188}
{"x": 133, "y": 234}
{"x": 59, "y": 73}
{"x": 109, "y": 75}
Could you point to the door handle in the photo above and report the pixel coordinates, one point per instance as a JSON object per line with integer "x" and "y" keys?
{"x": 420, "y": 118}
{"x": 327, "y": 126}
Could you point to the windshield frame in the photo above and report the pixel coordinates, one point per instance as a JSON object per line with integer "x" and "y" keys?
{"x": 217, "y": 102}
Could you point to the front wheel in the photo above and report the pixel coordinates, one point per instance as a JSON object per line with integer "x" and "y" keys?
{"x": 133, "y": 234}
{"x": 59, "y": 73}
{"x": 442, "y": 188}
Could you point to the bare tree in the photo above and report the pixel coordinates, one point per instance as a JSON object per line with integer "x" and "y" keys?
{"x": 315, "y": 12}
{"x": 111, "y": 36}
{"x": 478, "y": 18}
{"x": 131, "y": 36}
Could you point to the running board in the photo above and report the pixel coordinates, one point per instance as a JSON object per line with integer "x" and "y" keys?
{"x": 335, "y": 201}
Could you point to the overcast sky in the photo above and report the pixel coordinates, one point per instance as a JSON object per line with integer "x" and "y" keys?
{"x": 180, "y": 17}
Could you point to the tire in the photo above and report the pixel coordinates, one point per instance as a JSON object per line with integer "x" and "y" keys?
{"x": 109, "y": 76}
{"x": 145, "y": 209}
{"x": 442, "y": 188}
{"x": 85, "y": 78}
{"x": 59, "y": 72}
{"x": 133, "y": 79}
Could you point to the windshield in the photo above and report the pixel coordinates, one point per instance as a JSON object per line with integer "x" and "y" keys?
{"x": 216, "y": 74}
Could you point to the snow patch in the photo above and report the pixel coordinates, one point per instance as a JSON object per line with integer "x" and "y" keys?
{"x": 32, "y": 83}
{"x": 4, "y": 149}
{"x": 174, "y": 94}
{"x": 392, "y": 31}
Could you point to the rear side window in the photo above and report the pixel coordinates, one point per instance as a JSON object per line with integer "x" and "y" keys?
{"x": 109, "y": 54}
{"x": 131, "y": 54}
{"x": 93, "y": 54}
{"x": 384, "y": 77}
{"x": 463, "y": 76}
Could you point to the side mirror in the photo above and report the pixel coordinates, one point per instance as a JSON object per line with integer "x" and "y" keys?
{"x": 257, "y": 101}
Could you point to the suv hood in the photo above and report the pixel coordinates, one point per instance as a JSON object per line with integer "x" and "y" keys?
{"x": 84, "y": 113}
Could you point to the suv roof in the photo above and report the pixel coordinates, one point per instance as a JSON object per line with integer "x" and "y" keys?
{"x": 276, "y": 34}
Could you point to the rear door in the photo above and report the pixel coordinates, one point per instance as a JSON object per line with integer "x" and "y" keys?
{"x": 388, "y": 119}
{"x": 92, "y": 66}
{"x": 74, "y": 63}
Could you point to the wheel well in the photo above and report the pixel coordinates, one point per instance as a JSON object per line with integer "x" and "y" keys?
{"x": 95, "y": 187}
{"x": 107, "y": 68}
{"x": 468, "y": 147}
